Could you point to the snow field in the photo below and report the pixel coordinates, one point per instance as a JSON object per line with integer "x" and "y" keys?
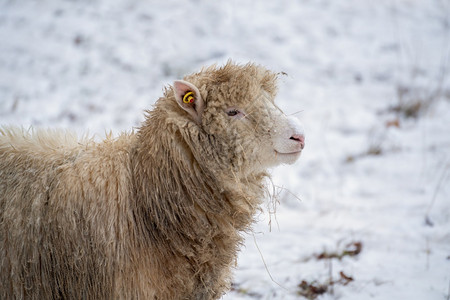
{"x": 368, "y": 174}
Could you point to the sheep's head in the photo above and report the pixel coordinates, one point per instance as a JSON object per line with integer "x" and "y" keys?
{"x": 238, "y": 122}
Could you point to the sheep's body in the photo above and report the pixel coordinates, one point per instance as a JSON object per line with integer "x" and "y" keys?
{"x": 155, "y": 214}
{"x": 64, "y": 215}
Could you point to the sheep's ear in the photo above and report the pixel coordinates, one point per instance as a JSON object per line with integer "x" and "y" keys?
{"x": 188, "y": 97}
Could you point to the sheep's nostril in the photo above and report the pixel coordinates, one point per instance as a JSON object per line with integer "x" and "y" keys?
{"x": 299, "y": 138}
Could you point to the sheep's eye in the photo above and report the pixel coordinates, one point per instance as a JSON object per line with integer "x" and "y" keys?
{"x": 233, "y": 112}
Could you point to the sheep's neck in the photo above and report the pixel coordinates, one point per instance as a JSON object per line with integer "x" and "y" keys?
{"x": 178, "y": 198}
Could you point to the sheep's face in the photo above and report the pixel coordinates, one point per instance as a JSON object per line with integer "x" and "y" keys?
{"x": 262, "y": 129}
{"x": 240, "y": 120}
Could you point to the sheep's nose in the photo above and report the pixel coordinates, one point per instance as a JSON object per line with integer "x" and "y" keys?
{"x": 300, "y": 138}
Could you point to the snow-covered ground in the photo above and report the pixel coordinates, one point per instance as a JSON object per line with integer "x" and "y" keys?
{"x": 369, "y": 175}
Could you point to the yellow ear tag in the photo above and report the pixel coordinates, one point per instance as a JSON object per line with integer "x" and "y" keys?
{"x": 188, "y": 97}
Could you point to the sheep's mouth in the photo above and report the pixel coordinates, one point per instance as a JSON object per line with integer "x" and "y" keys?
{"x": 293, "y": 153}
{"x": 288, "y": 156}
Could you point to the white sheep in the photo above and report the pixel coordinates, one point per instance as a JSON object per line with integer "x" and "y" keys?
{"x": 156, "y": 214}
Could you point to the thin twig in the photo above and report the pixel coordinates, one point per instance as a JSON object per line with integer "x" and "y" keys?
{"x": 436, "y": 191}
{"x": 265, "y": 265}
{"x": 448, "y": 293}
{"x": 296, "y": 112}
{"x": 330, "y": 274}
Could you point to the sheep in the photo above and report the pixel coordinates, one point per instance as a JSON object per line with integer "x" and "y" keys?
{"x": 156, "y": 213}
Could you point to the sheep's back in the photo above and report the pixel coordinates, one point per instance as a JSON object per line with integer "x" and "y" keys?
{"x": 29, "y": 162}
{"x": 26, "y": 153}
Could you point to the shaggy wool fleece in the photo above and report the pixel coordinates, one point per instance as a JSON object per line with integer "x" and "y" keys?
{"x": 153, "y": 214}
